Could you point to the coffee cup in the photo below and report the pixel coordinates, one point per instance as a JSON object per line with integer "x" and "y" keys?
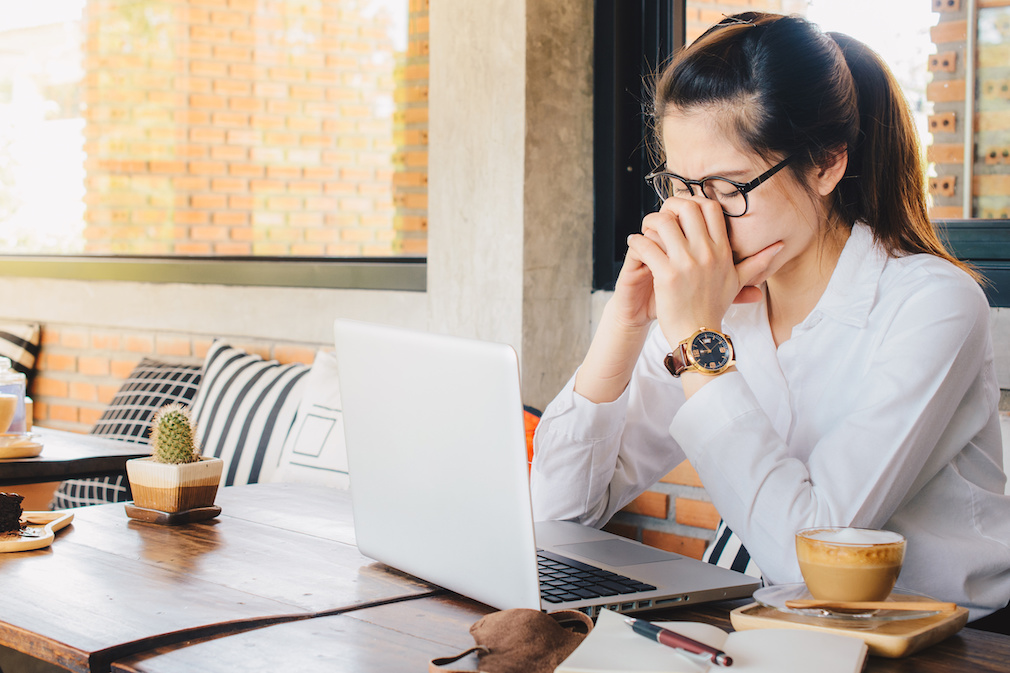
{"x": 849, "y": 564}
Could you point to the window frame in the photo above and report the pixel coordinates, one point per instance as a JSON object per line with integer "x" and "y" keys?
{"x": 359, "y": 273}
{"x": 632, "y": 39}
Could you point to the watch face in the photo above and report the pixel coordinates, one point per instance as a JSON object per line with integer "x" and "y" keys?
{"x": 710, "y": 351}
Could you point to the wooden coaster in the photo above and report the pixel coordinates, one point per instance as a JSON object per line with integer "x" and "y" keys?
{"x": 171, "y": 518}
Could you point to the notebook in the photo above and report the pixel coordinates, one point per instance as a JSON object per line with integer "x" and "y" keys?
{"x": 439, "y": 481}
{"x": 613, "y": 647}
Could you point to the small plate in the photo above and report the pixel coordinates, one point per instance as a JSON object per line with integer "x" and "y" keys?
{"x": 19, "y": 445}
{"x": 777, "y": 595}
{"x": 38, "y": 530}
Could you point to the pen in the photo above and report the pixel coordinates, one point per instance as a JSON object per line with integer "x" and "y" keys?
{"x": 678, "y": 642}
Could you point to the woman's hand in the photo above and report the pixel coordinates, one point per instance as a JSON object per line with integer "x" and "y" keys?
{"x": 685, "y": 249}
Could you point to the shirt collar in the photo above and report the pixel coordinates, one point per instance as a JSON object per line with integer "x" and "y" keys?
{"x": 850, "y": 293}
{"x": 852, "y": 290}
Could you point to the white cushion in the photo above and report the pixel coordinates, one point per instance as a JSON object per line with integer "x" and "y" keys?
{"x": 244, "y": 409}
{"x": 314, "y": 452}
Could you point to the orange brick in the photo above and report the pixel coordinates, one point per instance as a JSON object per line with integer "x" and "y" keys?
{"x": 82, "y": 390}
{"x": 208, "y": 167}
{"x": 949, "y": 31}
{"x": 190, "y": 217}
{"x": 678, "y": 544}
{"x": 140, "y": 344}
{"x": 73, "y": 338}
{"x": 40, "y": 411}
{"x": 649, "y": 503}
{"x": 208, "y": 201}
{"x": 105, "y": 341}
{"x": 286, "y": 354}
{"x": 230, "y": 219}
{"x": 58, "y": 362}
{"x": 106, "y": 392}
{"x": 201, "y": 347}
{"x": 89, "y": 415}
{"x": 945, "y": 153}
{"x": 947, "y": 90}
{"x": 697, "y": 513}
{"x": 45, "y": 386}
{"x": 214, "y": 233}
{"x": 62, "y": 412}
{"x": 93, "y": 365}
{"x": 173, "y": 346}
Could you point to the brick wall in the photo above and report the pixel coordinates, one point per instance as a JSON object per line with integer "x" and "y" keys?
{"x": 241, "y": 127}
{"x": 81, "y": 368}
{"x": 990, "y": 182}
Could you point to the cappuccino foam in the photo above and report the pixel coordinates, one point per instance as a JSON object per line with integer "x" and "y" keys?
{"x": 858, "y": 536}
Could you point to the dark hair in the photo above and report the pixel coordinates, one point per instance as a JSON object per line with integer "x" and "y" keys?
{"x": 796, "y": 91}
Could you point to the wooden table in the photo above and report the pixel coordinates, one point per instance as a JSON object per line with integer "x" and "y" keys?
{"x": 405, "y": 636}
{"x": 273, "y": 584}
{"x": 110, "y": 586}
{"x": 69, "y": 455}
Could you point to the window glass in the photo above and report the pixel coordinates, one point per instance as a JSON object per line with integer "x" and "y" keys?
{"x": 160, "y": 127}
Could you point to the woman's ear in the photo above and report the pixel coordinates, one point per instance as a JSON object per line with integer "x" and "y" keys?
{"x": 831, "y": 173}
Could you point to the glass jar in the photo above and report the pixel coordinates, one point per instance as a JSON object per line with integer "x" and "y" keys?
{"x": 14, "y": 383}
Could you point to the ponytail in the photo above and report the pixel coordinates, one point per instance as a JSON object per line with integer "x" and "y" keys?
{"x": 885, "y": 181}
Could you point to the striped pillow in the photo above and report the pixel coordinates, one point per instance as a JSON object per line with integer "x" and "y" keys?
{"x": 244, "y": 409}
{"x": 20, "y": 343}
{"x": 150, "y": 386}
{"x": 727, "y": 551}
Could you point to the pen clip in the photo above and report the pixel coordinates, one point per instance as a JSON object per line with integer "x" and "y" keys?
{"x": 705, "y": 659}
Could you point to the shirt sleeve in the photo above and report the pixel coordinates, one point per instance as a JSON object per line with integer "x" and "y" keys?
{"x": 590, "y": 460}
{"x": 922, "y": 395}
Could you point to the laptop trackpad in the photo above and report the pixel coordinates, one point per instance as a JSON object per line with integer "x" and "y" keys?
{"x": 617, "y": 552}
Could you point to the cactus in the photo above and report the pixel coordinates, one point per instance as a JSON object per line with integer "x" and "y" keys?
{"x": 173, "y": 435}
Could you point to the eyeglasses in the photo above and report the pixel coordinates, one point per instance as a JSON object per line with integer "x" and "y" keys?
{"x": 731, "y": 195}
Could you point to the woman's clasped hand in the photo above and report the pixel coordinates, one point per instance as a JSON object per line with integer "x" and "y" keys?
{"x": 680, "y": 270}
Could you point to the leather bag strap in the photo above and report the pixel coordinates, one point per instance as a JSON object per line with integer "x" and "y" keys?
{"x": 435, "y": 665}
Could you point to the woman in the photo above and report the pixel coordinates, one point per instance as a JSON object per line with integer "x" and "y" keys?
{"x": 843, "y": 374}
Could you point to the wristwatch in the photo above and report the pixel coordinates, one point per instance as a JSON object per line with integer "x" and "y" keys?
{"x": 705, "y": 351}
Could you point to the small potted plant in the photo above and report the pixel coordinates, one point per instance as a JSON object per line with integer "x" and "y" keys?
{"x": 175, "y": 478}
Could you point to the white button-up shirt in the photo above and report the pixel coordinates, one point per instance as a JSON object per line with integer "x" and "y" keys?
{"x": 880, "y": 411}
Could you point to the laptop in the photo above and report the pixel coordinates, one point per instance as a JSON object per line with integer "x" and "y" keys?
{"x": 439, "y": 481}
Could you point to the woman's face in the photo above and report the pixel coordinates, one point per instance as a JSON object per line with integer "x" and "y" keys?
{"x": 780, "y": 209}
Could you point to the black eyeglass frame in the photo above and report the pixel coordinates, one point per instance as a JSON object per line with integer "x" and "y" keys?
{"x": 743, "y": 187}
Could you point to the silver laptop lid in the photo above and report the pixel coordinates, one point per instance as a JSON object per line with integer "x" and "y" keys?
{"x": 436, "y": 455}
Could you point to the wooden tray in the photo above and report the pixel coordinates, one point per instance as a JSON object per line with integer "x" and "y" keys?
{"x": 38, "y": 531}
{"x": 893, "y": 639}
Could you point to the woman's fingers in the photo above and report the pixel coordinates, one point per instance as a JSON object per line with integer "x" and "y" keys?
{"x": 753, "y": 270}
{"x": 700, "y": 218}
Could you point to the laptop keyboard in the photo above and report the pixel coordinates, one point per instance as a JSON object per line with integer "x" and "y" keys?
{"x": 564, "y": 579}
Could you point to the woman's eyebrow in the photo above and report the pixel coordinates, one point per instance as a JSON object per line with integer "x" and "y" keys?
{"x": 735, "y": 175}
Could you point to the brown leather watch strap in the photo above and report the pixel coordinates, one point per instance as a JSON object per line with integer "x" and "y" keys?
{"x": 676, "y": 362}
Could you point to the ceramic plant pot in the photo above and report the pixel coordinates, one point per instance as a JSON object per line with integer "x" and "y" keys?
{"x": 171, "y": 487}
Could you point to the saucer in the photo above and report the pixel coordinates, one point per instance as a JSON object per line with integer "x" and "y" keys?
{"x": 777, "y": 595}
{"x": 19, "y": 445}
